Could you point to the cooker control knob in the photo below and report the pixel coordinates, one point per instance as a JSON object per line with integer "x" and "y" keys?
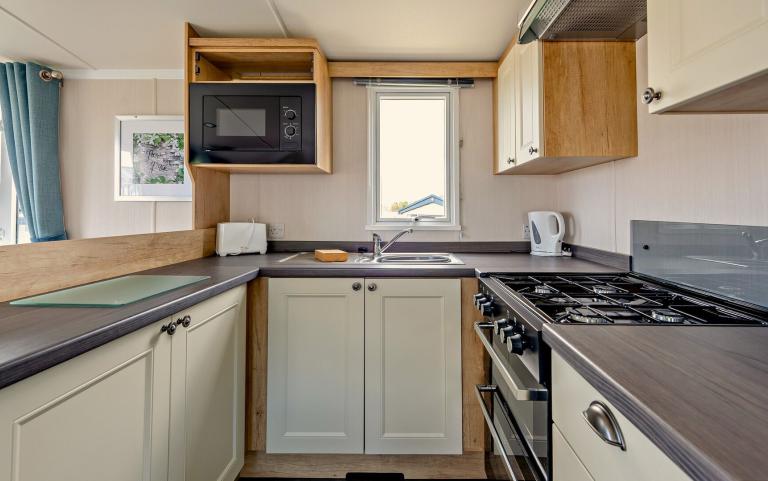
{"x": 290, "y": 114}
{"x": 506, "y": 332}
{"x": 290, "y": 131}
{"x": 500, "y": 324}
{"x": 515, "y": 343}
{"x": 488, "y": 308}
{"x": 478, "y": 299}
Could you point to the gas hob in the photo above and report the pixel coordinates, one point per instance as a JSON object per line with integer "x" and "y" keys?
{"x": 620, "y": 299}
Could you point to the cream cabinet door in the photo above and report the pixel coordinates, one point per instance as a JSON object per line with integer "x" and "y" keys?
{"x": 699, "y": 46}
{"x": 208, "y": 390}
{"x": 315, "y": 366}
{"x": 102, "y": 415}
{"x": 566, "y": 466}
{"x": 505, "y": 115}
{"x": 413, "y": 366}
{"x": 528, "y": 105}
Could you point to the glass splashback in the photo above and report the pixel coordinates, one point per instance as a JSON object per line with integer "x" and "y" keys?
{"x": 727, "y": 260}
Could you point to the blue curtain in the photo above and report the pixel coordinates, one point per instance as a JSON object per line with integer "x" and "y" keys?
{"x": 30, "y": 108}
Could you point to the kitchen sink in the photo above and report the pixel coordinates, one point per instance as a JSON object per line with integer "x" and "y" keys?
{"x": 412, "y": 258}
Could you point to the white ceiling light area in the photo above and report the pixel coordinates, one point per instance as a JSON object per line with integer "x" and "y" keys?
{"x": 148, "y": 34}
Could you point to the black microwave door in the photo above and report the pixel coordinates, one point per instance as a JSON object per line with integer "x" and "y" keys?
{"x": 241, "y": 123}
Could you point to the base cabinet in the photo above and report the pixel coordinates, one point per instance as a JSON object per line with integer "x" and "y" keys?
{"x": 315, "y": 366}
{"x": 641, "y": 460}
{"x": 123, "y": 410}
{"x": 413, "y": 366}
{"x": 364, "y": 366}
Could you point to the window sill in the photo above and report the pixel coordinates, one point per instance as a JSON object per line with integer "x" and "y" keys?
{"x": 416, "y": 226}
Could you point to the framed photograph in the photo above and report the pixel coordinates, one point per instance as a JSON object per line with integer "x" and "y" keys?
{"x": 149, "y": 159}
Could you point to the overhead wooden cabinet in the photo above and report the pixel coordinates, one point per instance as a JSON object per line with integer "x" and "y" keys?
{"x": 707, "y": 56}
{"x": 574, "y": 105}
{"x": 149, "y": 406}
{"x": 315, "y": 366}
{"x": 413, "y": 366}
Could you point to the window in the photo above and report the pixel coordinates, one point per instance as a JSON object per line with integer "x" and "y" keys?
{"x": 413, "y": 159}
{"x": 13, "y": 228}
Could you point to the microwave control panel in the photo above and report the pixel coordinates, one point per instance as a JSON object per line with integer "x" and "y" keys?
{"x": 290, "y": 123}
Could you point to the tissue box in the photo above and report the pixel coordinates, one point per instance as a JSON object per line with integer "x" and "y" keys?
{"x": 233, "y": 238}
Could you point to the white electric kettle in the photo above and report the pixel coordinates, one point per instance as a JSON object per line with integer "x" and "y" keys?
{"x": 547, "y": 232}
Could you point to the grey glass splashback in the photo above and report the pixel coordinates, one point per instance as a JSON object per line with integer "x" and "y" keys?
{"x": 726, "y": 260}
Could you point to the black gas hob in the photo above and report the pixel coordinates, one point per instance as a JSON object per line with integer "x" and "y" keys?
{"x": 620, "y": 299}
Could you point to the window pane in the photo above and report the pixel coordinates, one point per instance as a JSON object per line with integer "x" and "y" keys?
{"x": 412, "y": 156}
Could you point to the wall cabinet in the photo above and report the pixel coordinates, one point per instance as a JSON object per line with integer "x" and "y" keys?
{"x": 505, "y": 115}
{"x": 707, "y": 56}
{"x": 118, "y": 413}
{"x": 640, "y": 461}
{"x": 364, "y": 365}
{"x": 574, "y": 105}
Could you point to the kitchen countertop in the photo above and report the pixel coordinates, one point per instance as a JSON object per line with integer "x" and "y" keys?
{"x": 269, "y": 265}
{"x": 35, "y": 338}
{"x": 700, "y": 393}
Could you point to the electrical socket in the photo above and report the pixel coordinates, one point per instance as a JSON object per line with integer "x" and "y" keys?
{"x": 526, "y": 232}
{"x": 275, "y": 231}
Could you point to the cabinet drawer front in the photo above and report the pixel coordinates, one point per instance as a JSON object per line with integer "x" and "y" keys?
{"x": 642, "y": 460}
{"x": 566, "y": 466}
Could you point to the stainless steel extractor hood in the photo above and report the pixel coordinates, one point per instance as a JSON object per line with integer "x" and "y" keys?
{"x": 583, "y": 20}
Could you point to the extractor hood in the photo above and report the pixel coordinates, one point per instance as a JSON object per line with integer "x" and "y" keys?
{"x": 583, "y": 20}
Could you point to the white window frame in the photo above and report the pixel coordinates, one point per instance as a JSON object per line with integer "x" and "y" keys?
{"x": 451, "y": 220}
{"x": 10, "y": 234}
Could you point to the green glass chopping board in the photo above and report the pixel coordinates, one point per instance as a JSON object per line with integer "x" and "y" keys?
{"x": 112, "y": 292}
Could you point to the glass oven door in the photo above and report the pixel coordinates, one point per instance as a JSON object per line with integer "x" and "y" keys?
{"x": 512, "y": 457}
{"x": 241, "y": 123}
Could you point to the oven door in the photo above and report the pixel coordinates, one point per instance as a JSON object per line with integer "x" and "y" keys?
{"x": 246, "y": 123}
{"x": 516, "y": 411}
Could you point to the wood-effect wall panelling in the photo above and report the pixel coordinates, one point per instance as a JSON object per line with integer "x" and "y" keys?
{"x": 256, "y": 369}
{"x": 30, "y": 269}
{"x": 474, "y": 370}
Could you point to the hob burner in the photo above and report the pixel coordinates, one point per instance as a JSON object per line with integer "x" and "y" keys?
{"x": 542, "y": 289}
{"x": 605, "y": 289}
{"x": 667, "y": 316}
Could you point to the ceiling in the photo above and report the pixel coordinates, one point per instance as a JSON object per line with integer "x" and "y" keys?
{"x": 148, "y": 34}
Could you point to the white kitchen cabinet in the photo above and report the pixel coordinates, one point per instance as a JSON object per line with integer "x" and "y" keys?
{"x": 208, "y": 390}
{"x": 505, "y": 114}
{"x": 413, "y": 366}
{"x": 101, "y": 415}
{"x": 641, "y": 461}
{"x": 708, "y": 55}
{"x": 315, "y": 366}
{"x": 528, "y": 104}
{"x": 566, "y": 466}
{"x": 148, "y": 406}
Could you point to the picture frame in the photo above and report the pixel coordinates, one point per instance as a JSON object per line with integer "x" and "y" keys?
{"x": 149, "y": 159}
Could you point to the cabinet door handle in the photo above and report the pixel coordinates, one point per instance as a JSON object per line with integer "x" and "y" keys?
{"x": 372, "y": 286}
{"x": 510, "y": 160}
{"x": 532, "y": 150}
{"x": 169, "y": 328}
{"x": 184, "y": 321}
{"x": 604, "y": 424}
{"x": 649, "y": 95}
{"x": 357, "y": 286}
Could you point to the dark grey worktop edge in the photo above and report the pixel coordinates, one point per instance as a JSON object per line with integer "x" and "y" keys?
{"x": 373, "y": 272}
{"x": 607, "y": 258}
{"x": 686, "y": 456}
{"x": 27, "y": 366}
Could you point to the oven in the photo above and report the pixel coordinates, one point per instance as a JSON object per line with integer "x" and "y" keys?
{"x": 515, "y": 401}
{"x": 252, "y": 123}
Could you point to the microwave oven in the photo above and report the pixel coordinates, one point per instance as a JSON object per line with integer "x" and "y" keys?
{"x": 252, "y": 123}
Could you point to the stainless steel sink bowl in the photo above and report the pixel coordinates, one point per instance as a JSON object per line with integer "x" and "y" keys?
{"x": 413, "y": 258}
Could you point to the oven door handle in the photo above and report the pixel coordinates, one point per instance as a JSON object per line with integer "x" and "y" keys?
{"x": 518, "y": 389}
{"x": 479, "y": 390}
